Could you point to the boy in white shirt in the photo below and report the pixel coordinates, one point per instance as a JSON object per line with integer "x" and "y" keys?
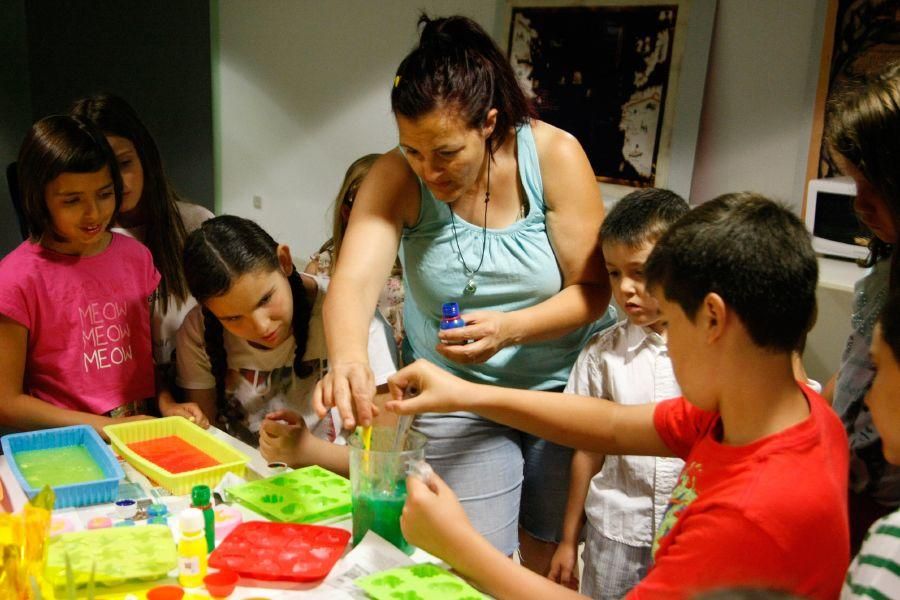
{"x": 626, "y": 496}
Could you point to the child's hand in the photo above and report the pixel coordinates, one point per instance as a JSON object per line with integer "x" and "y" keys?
{"x": 564, "y": 565}
{"x": 433, "y": 519}
{"x": 427, "y": 388}
{"x": 280, "y": 436}
{"x": 189, "y": 410}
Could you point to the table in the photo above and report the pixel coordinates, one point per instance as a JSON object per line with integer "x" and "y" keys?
{"x": 257, "y": 468}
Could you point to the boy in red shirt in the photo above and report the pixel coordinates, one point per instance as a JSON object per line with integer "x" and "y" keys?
{"x": 762, "y": 499}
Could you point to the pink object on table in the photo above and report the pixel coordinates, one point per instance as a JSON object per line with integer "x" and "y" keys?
{"x": 99, "y": 523}
{"x": 61, "y": 525}
{"x": 227, "y": 518}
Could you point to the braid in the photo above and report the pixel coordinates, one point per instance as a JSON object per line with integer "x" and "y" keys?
{"x": 300, "y": 323}
{"x": 214, "y": 340}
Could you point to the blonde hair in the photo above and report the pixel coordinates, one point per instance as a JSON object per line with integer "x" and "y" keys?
{"x": 353, "y": 178}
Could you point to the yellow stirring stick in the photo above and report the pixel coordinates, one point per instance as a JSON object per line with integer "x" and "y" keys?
{"x": 367, "y": 445}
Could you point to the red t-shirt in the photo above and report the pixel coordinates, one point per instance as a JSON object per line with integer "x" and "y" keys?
{"x": 770, "y": 514}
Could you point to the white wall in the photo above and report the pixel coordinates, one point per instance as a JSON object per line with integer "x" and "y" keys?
{"x": 303, "y": 90}
{"x": 760, "y": 91}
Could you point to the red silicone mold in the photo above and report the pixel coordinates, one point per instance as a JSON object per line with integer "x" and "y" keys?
{"x": 280, "y": 551}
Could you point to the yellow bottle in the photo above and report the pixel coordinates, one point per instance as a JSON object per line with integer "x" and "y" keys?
{"x": 191, "y": 548}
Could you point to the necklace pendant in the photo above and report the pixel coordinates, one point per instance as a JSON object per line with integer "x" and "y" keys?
{"x": 470, "y": 287}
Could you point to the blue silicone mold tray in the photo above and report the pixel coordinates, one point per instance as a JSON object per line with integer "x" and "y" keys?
{"x": 303, "y": 496}
{"x": 76, "y": 494}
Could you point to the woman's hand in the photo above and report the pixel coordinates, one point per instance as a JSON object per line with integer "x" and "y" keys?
{"x": 349, "y": 386}
{"x": 280, "y": 435}
{"x": 488, "y": 331}
{"x": 564, "y": 565}
{"x": 433, "y": 519}
{"x": 189, "y": 410}
{"x": 426, "y": 388}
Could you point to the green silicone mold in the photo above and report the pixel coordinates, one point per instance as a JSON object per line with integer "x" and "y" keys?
{"x": 116, "y": 555}
{"x": 303, "y": 496}
{"x": 418, "y": 582}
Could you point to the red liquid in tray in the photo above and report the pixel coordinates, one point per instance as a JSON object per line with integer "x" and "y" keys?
{"x": 173, "y": 454}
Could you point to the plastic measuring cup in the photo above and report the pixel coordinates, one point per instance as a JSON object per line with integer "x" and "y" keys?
{"x": 378, "y": 483}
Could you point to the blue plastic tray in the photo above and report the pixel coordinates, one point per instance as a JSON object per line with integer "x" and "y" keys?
{"x": 78, "y": 494}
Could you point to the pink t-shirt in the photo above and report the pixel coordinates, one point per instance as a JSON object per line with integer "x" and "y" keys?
{"x": 88, "y": 321}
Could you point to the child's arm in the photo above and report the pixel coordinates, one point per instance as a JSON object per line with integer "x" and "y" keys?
{"x": 169, "y": 407}
{"x": 23, "y": 411}
{"x": 204, "y": 400}
{"x": 434, "y": 521}
{"x": 283, "y": 437}
{"x": 292, "y": 443}
{"x": 564, "y": 564}
{"x": 574, "y": 421}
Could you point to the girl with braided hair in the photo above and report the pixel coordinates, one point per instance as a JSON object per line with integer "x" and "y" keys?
{"x": 251, "y": 353}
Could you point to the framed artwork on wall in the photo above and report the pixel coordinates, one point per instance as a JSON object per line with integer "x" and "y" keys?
{"x": 625, "y": 77}
{"x": 861, "y": 36}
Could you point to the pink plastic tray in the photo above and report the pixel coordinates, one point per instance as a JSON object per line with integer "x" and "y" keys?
{"x": 280, "y": 551}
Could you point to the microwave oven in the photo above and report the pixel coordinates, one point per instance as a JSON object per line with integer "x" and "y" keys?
{"x": 835, "y": 229}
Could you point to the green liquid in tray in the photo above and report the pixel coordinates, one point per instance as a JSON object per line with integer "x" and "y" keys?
{"x": 381, "y": 514}
{"x": 58, "y": 466}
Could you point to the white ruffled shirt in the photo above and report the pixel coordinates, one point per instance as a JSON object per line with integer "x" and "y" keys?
{"x": 628, "y": 364}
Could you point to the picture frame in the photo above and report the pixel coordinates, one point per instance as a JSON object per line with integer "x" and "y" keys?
{"x": 860, "y": 36}
{"x": 653, "y": 56}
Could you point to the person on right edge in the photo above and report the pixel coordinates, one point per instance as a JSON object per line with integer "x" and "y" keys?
{"x": 863, "y": 139}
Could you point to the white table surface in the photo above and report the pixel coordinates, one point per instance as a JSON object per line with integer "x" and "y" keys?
{"x": 257, "y": 468}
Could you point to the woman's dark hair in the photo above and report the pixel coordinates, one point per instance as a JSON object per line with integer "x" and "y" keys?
{"x": 56, "y": 145}
{"x": 864, "y": 128}
{"x": 223, "y": 249}
{"x": 165, "y": 232}
{"x": 456, "y": 64}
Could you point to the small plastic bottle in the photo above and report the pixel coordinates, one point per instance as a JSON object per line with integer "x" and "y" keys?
{"x": 156, "y": 514}
{"x": 192, "y": 553}
{"x": 451, "y": 320}
{"x": 200, "y": 498}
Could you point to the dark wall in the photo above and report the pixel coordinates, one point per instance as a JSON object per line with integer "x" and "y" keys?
{"x": 154, "y": 54}
{"x": 15, "y": 110}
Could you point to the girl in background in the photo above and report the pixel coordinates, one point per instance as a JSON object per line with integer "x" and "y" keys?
{"x": 74, "y": 297}
{"x": 390, "y": 301}
{"x": 250, "y": 355}
{"x": 155, "y": 215}
{"x": 864, "y": 141}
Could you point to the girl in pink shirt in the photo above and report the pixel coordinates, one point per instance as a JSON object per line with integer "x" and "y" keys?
{"x": 74, "y": 297}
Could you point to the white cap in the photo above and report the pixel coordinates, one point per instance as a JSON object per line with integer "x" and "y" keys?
{"x": 191, "y": 520}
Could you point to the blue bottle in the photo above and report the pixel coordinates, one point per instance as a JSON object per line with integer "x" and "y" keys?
{"x": 451, "y": 320}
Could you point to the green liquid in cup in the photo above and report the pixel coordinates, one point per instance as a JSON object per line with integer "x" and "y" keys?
{"x": 58, "y": 466}
{"x": 381, "y": 514}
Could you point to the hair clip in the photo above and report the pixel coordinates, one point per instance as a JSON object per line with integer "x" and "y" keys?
{"x": 396, "y": 80}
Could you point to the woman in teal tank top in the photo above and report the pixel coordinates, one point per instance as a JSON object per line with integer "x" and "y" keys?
{"x": 500, "y": 212}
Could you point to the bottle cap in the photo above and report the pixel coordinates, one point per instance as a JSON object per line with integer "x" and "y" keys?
{"x": 450, "y": 310}
{"x": 157, "y": 510}
{"x": 200, "y": 495}
{"x": 191, "y": 520}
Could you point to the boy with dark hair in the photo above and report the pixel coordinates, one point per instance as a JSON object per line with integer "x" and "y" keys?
{"x": 618, "y": 507}
{"x": 762, "y": 498}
